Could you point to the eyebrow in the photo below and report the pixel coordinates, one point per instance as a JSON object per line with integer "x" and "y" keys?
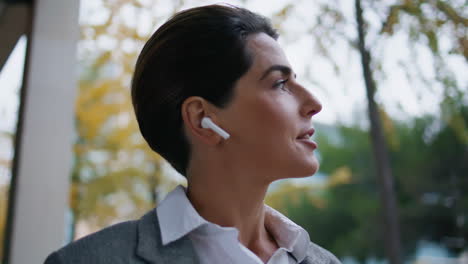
{"x": 282, "y": 68}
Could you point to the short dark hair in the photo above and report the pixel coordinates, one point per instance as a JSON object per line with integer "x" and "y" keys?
{"x": 198, "y": 52}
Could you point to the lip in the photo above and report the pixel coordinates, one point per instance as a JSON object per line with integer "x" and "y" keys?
{"x": 308, "y": 142}
{"x": 308, "y": 132}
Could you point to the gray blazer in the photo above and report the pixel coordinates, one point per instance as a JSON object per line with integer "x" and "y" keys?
{"x": 139, "y": 242}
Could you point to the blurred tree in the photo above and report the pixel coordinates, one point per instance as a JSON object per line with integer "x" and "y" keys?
{"x": 433, "y": 183}
{"x": 379, "y": 146}
{"x": 441, "y": 26}
{"x": 115, "y": 174}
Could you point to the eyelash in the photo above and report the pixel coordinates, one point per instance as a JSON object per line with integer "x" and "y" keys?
{"x": 281, "y": 83}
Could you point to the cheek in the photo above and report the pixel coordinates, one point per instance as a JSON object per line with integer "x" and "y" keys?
{"x": 269, "y": 119}
{"x": 279, "y": 112}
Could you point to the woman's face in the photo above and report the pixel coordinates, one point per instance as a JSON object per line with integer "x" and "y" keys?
{"x": 268, "y": 114}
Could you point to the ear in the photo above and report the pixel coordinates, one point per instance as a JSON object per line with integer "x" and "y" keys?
{"x": 193, "y": 109}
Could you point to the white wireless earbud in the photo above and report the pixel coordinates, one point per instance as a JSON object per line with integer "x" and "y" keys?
{"x": 208, "y": 123}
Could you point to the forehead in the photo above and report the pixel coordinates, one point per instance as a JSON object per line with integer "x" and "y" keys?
{"x": 266, "y": 52}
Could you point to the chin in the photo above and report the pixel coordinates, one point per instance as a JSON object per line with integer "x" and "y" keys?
{"x": 310, "y": 168}
{"x": 296, "y": 168}
{"x": 303, "y": 170}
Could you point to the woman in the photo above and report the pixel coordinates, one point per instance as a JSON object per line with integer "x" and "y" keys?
{"x": 215, "y": 95}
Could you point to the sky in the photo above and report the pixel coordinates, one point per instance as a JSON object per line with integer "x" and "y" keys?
{"x": 342, "y": 95}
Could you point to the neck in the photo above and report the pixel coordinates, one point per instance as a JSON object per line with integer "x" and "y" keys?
{"x": 232, "y": 201}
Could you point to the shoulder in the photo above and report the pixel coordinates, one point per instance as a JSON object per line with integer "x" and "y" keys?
{"x": 318, "y": 255}
{"x": 114, "y": 244}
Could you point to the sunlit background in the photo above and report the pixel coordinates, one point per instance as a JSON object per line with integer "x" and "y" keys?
{"x": 419, "y": 55}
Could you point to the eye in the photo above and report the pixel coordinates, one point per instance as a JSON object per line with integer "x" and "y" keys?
{"x": 281, "y": 84}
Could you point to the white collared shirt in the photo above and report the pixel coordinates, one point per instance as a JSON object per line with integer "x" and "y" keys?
{"x": 216, "y": 244}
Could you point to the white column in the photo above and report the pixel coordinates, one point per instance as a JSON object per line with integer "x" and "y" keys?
{"x": 47, "y": 134}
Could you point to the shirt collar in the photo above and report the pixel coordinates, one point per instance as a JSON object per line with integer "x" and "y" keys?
{"x": 287, "y": 234}
{"x": 177, "y": 218}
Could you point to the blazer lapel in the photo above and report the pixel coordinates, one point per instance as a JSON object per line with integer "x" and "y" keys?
{"x": 150, "y": 247}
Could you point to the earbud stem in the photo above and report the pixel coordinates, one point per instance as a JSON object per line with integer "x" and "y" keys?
{"x": 208, "y": 123}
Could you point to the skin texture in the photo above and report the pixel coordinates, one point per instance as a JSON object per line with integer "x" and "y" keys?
{"x": 228, "y": 179}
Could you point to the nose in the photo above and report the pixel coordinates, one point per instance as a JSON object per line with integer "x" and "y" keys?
{"x": 310, "y": 104}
